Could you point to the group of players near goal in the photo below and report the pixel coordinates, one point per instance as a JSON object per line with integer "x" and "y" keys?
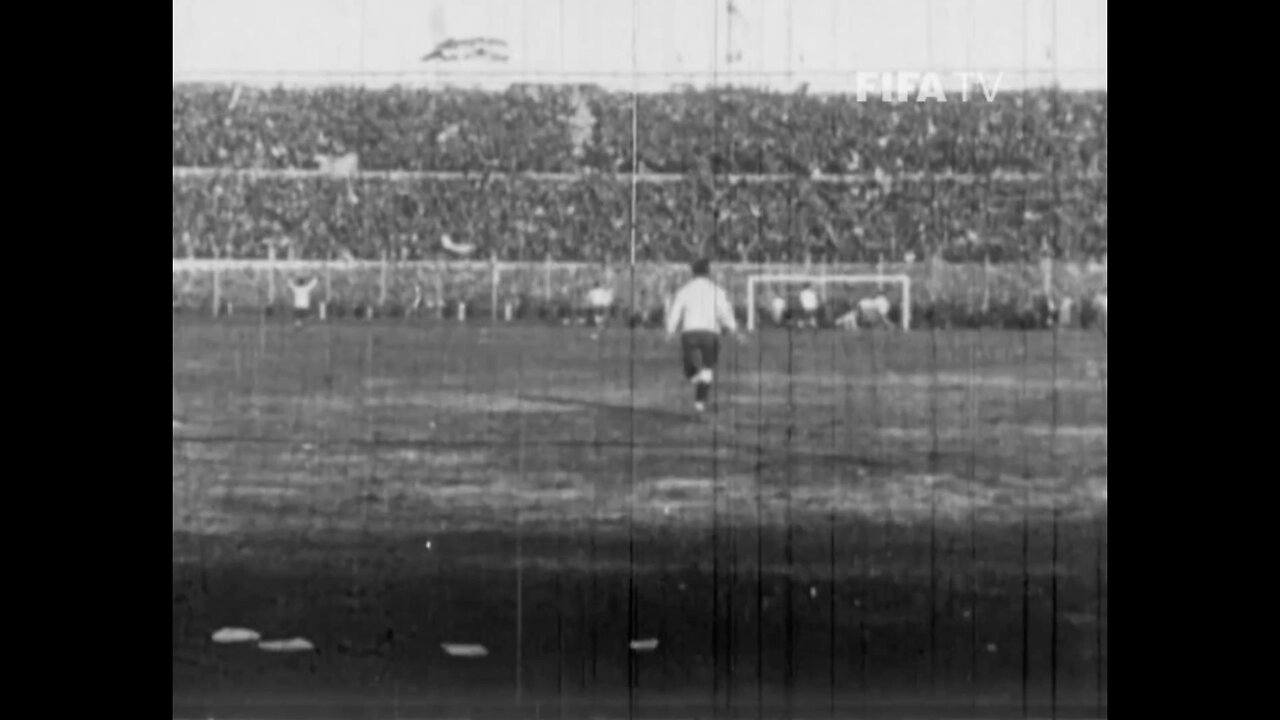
{"x": 699, "y": 314}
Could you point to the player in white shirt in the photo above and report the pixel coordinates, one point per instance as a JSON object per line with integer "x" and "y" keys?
{"x": 600, "y": 301}
{"x": 872, "y": 310}
{"x": 809, "y": 306}
{"x": 700, "y": 312}
{"x": 302, "y": 288}
{"x": 1100, "y": 308}
{"x": 778, "y": 309}
{"x": 1066, "y": 312}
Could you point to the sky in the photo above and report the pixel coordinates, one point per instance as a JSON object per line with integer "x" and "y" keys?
{"x": 643, "y": 44}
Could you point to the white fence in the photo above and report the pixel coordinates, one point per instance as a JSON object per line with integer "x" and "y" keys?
{"x": 999, "y": 176}
{"x": 490, "y": 284}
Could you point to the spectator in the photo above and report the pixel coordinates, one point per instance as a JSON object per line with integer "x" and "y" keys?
{"x": 568, "y": 129}
{"x": 933, "y": 177}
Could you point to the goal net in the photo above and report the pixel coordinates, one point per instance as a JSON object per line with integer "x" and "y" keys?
{"x": 837, "y": 295}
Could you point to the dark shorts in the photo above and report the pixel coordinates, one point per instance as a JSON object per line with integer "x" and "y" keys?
{"x": 700, "y": 350}
{"x": 300, "y": 313}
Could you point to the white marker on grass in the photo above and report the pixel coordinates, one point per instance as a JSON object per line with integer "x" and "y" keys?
{"x": 228, "y": 635}
{"x": 465, "y": 650}
{"x": 290, "y": 645}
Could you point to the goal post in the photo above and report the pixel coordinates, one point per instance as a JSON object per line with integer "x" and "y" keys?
{"x": 902, "y": 281}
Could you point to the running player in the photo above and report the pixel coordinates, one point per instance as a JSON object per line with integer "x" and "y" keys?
{"x": 700, "y": 312}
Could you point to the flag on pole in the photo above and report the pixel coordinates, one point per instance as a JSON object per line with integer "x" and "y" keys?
{"x": 735, "y": 21}
{"x": 582, "y": 125}
{"x": 456, "y": 248}
{"x": 459, "y": 50}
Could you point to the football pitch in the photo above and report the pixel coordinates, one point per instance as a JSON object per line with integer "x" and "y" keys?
{"x": 871, "y": 520}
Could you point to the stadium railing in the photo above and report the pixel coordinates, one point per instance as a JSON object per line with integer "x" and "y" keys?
{"x": 487, "y": 286}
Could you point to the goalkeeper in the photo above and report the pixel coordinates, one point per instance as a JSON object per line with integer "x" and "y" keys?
{"x": 870, "y": 311}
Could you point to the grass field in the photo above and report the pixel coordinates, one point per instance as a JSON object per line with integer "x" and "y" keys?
{"x": 902, "y": 522}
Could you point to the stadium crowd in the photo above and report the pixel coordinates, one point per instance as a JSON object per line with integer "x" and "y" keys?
{"x": 518, "y": 218}
{"x": 846, "y": 180}
{"x": 570, "y": 129}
